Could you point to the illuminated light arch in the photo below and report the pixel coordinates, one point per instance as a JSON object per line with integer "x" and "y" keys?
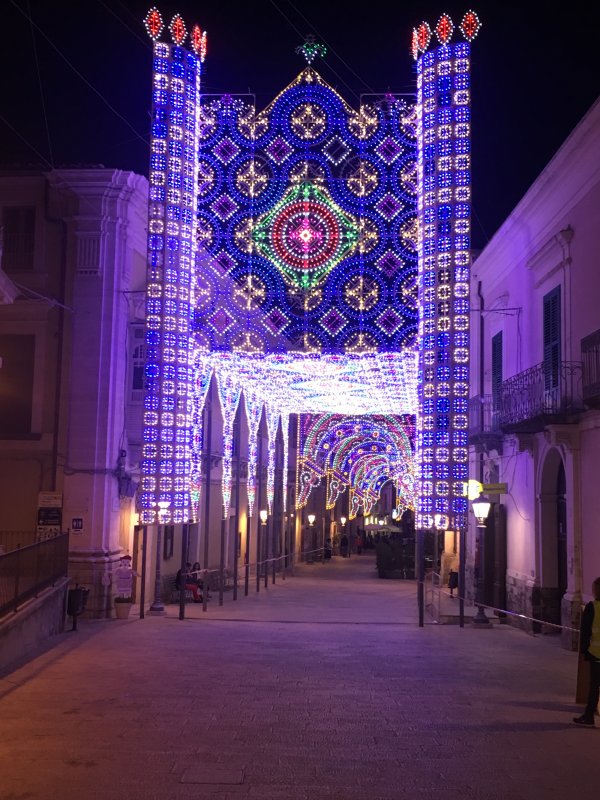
{"x": 386, "y": 224}
{"x": 356, "y": 453}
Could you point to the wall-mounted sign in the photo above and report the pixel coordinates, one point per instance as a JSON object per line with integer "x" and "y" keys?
{"x": 495, "y": 488}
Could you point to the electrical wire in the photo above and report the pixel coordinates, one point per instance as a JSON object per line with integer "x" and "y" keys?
{"x": 77, "y": 72}
{"x": 39, "y": 76}
{"x": 322, "y": 38}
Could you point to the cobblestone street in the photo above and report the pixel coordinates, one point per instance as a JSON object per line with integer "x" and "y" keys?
{"x": 322, "y": 686}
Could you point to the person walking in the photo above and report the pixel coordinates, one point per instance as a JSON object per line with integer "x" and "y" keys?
{"x": 589, "y": 645}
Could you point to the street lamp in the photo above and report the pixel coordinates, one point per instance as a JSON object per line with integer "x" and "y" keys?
{"x": 481, "y": 509}
{"x": 264, "y": 546}
{"x": 311, "y": 521}
{"x": 344, "y": 549}
{"x": 157, "y": 608}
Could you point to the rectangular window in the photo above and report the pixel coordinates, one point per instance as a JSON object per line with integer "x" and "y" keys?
{"x": 552, "y": 339}
{"x": 496, "y": 366}
{"x": 16, "y": 379}
{"x": 18, "y": 225}
{"x": 138, "y": 364}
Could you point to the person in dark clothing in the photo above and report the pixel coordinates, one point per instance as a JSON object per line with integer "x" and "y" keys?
{"x": 452, "y": 581}
{"x": 190, "y": 583}
{"x": 589, "y": 645}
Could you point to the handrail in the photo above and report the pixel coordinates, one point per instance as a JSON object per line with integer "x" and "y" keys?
{"x": 24, "y": 572}
{"x": 541, "y": 390}
{"x": 432, "y": 606}
{"x": 503, "y": 611}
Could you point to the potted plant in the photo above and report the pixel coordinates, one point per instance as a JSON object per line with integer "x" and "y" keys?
{"x": 123, "y": 606}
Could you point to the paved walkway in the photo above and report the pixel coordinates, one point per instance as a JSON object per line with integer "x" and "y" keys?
{"x": 322, "y": 687}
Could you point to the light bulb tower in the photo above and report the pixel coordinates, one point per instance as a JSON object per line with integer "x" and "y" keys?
{"x": 444, "y": 260}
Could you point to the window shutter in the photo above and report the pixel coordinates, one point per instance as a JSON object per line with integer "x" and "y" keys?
{"x": 19, "y": 235}
{"x": 552, "y": 338}
{"x": 496, "y": 367}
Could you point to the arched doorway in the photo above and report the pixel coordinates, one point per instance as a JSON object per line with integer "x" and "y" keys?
{"x": 552, "y": 540}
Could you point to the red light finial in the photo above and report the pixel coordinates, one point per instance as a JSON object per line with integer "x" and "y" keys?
{"x": 154, "y": 23}
{"x": 444, "y": 29}
{"x": 196, "y": 38}
{"x": 177, "y": 28}
{"x": 470, "y": 25}
{"x": 414, "y": 44}
{"x": 423, "y": 36}
{"x": 203, "y": 45}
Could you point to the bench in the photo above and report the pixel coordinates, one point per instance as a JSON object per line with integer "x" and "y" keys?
{"x": 171, "y": 592}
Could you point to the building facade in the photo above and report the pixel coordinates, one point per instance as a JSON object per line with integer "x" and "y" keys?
{"x": 72, "y": 385}
{"x": 74, "y": 251}
{"x": 535, "y": 390}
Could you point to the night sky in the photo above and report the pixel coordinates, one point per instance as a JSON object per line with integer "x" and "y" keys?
{"x": 76, "y": 83}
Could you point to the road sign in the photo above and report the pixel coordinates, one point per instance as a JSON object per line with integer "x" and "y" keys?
{"x": 495, "y": 488}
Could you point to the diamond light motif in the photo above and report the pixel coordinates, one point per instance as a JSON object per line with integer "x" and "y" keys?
{"x": 154, "y": 23}
{"x": 306, "y": 235}
{"x": 470, "y": 25}
{"x": 177, "y": 28}
{"x": 423, "y": 36}
{"x": 444, "y": 28}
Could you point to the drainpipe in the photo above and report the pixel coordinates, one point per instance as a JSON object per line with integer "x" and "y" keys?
{"x": 61, "y": 329}
{"x": 481, "y": 366}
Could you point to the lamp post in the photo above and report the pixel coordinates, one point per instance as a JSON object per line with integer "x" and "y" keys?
{"x": 481, "y": 509}
{"x": 311, "y": 536}
{"x": 158, "y": 608}
{"x": 263, "y": 514}
{"x": 343, "y": 521}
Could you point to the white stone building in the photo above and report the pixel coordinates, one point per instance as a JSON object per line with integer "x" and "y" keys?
{"x": 535, "y": 423}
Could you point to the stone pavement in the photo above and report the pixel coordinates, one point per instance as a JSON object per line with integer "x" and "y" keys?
{"x": 321, "y": 687}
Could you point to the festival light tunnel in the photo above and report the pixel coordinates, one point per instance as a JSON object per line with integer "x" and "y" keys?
{"x": 314, "y": 260}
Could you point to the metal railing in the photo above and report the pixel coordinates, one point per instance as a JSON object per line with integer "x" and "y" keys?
{"x": 590, "y": 357}
{"x": 483, "y": 415}
{"x": 11, "y": 540}
{"x": 433, "y": 594}
{"x": 539, "y": 393}
{"x": 26, "y": 571}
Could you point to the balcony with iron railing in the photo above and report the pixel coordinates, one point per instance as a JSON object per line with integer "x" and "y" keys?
{"x": 590, "y": 357}
{"x": 541, "y": 396}
{"x": 484, "y": 430}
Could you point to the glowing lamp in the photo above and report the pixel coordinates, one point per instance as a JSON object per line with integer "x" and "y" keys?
{"x": 311, "y": 519}
{"x": 343, "y": 520}
{"x": 263, "y": 516}
{"x": 481, "y": 509}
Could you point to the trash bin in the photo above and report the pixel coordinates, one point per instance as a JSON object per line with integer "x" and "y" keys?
{"x": 76, "y": 602}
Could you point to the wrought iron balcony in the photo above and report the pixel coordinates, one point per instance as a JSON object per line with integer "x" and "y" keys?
{"x": 484, "y": 429}
{"x": 590, "y": 356}
{"x": 538, "y": 397}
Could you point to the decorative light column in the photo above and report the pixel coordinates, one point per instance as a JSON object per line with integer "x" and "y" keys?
{"x": 444, "y": 211}
{"x": 172, "y": 224}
